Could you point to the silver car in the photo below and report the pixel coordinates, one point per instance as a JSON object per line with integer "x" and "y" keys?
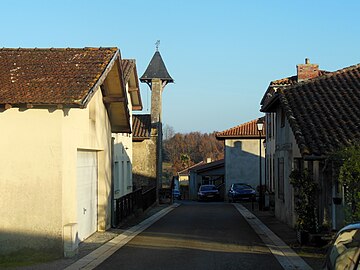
{"x": 344, "y": 252}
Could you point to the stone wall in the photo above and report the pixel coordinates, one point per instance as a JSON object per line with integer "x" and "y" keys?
{"x": 144, "y": 163}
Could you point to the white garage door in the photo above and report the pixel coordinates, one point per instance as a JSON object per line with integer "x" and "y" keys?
{"x": 87, "y": 193}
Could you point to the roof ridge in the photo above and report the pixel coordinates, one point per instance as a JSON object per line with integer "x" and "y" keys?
{"x": 58, "y": 49}
{"x": 244, "y": 130}
{"x": 240, "y": 125}
{"x": 326, "y": 75}
{"x": 273, "y": 83}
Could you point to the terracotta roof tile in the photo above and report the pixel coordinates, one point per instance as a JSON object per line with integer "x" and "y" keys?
{"x": 324, "y": 113}
{"x": 50, "y": 76}
{"x": 141, "y": 126}
{"x": 246, "y": 130}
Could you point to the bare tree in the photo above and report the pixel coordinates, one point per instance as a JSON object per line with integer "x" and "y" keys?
{"x": 168, "y": 132}
{"x": 183, "y": 150}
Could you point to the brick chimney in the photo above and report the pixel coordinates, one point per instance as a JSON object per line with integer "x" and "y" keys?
{"x": 307, "y": 71}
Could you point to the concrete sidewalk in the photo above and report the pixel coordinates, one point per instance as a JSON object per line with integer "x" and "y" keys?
{"x": 313, "y": 256}
{"x": 95, "y": 242}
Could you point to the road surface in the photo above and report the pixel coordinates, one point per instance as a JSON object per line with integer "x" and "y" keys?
{"x": 207, "y": 235}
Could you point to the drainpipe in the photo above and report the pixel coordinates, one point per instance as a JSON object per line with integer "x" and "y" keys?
{"x": 112, "y": 183}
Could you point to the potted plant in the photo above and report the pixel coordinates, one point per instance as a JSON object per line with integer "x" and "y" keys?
{"x": 305, "y": 191}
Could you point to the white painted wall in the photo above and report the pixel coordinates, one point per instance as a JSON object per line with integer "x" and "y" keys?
{"x": 287, "y": 149}
{"x": 123, "y": 152}
{"x": 38, "y": 175}
{"x": 123, "y": 164}
{"x": 242, "y": 162}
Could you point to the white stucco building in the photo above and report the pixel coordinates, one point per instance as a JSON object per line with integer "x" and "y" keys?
{"x": 60, "y": 109}
{"x": 243, "y": 144}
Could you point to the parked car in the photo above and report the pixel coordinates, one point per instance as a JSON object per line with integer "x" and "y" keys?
{"x": 344, "y": 252}
{"x": 240, "y": 191}
{"x": 208, "y": 192}
{"x": 176, "y": 194}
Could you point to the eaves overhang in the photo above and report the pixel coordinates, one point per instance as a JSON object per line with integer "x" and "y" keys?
{"x": 132, "y": 81}
{"x": 140, "y": 139}
{"x": 115, "y": 97}
{"x": 209, "y": 166}
{"x": 271, "y": 105}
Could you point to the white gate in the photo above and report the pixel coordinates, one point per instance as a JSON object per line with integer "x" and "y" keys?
{"x": 87, "y": 178}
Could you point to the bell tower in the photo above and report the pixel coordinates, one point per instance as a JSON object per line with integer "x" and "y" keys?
{"x": 157, "y": 77}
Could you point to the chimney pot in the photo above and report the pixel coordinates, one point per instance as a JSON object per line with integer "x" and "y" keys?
{"x": 307, "y": 71}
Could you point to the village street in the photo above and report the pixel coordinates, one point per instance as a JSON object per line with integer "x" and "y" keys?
{"x": 196, "y": 236}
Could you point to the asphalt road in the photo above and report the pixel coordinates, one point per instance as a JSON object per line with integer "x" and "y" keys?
{"x": 195, "y": 236}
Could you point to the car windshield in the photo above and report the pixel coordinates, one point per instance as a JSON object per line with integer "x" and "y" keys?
{"x": 207, "y": 188}
{"x": 241, "y": 187}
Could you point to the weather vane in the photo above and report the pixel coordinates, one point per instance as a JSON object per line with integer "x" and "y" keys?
{"x": 157, "y": 45}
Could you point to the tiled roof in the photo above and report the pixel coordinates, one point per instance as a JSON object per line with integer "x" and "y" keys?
{"x": 282, "y": 83}
{"x": 186, "y": 170}
{"x": 141, "y": 126}
{"x": 209, "y": 166}
{"x": 324, "y": 113}
{"x": 51, "y": 76}
{"x": 156, "y": 70}
{"x": 246, "y": 130}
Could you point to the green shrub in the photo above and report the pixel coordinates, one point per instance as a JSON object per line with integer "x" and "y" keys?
{"x": 349, "y": 177}
{"x": 305, "y": 193}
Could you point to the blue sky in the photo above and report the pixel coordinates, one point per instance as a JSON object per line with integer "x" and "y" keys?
{"x": 221, "y": 54}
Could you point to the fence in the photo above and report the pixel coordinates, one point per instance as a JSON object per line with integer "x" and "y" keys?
{"x": 132, "y": 202}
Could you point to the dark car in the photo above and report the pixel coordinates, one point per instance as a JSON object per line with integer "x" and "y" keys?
{"x": 344, "y": 252}
{"x": 208, "y": 192}
{"x": 240, "y": 191}
{"x": 176, "y": 194}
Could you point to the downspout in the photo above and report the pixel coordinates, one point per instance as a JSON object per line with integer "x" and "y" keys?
{"x": 112, "y": 198}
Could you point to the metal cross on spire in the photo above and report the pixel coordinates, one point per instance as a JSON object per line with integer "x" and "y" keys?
{"x": 157, "y": 43}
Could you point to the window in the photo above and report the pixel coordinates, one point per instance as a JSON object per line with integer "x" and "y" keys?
{"x": 116, "y": 180}
{"x": 128, "y": 172}
{"x": 281, "y": 178}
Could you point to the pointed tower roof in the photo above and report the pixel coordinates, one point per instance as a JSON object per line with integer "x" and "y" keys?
{"x": 156, "y": 70}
